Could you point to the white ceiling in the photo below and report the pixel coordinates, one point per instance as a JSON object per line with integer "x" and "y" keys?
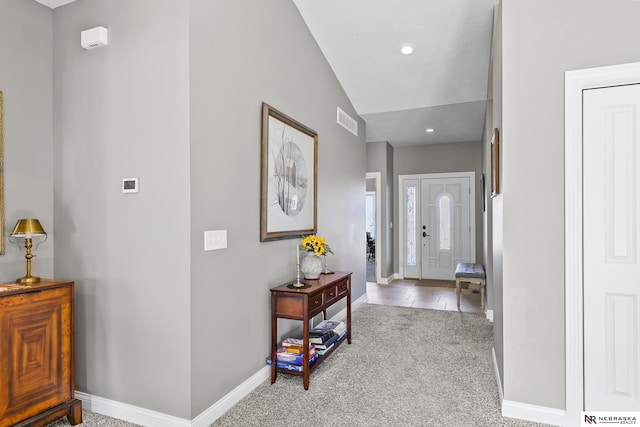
{"x": 54, "y": 3}
{"x": 442, "y": 85}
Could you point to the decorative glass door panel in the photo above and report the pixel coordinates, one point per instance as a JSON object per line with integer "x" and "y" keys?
{"x": 412, "y": 243}
{"x": 445, "y": 226}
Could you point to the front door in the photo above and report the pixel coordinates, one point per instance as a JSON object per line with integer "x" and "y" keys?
{"x": 445, "y": 231}
{"x": 611, "y": 233}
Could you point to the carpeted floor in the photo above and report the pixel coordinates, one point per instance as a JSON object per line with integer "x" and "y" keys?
{"x": 91, "y": 419}
{"x": 405, "y": 367}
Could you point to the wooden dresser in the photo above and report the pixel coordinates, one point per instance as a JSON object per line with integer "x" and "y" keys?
{"x": 37, "y": 372}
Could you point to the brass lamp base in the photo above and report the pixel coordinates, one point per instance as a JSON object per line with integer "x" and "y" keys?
{"x": 28, "y": 280}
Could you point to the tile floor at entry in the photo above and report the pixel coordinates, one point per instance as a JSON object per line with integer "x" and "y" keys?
{"x": 405, "y": 293}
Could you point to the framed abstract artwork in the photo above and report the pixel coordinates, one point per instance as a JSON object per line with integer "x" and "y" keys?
{"x": 484, "y": 193}
{"x": 288, "y": 177}
{"x": 495, "y": 163}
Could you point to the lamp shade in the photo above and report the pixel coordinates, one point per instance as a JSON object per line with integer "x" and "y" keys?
{"x": 28, "y": 227}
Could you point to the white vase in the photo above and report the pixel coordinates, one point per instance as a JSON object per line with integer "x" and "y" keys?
{"x": 311, "y": 266}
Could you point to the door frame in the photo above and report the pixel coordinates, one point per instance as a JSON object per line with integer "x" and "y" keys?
{"x": 377, "y": 176}
{"x": 575, "y": 83}
{"x": 401, "y": 210}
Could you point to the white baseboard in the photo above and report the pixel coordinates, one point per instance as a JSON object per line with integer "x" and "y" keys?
{"x": 85, "y": 398}
{"x": 387, "y": 280}
{"x": 538, "y": 414}
{"x": 146, "y": 417}
{"x": 216, "y": 410}
{"x": 497, "y": 374}
{"x": 525, "y": 411}
{"x": 355, "y": 304}
{"x": 129, "y": 413}
{"x": 490, "y": 315}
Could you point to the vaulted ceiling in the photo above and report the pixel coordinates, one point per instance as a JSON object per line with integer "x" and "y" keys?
{"x": 54, "y": 3}
{"x": 442, "y": 85}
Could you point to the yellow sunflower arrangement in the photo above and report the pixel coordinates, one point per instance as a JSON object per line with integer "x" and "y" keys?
{"x": 315, "y": 244}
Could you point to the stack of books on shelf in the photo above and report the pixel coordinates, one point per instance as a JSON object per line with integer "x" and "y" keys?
{"x": 289, "y": 355}
{"x": 326, "y": 334}
{"x": 321, "y": 339}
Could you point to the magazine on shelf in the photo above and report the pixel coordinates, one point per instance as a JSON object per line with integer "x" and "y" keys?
{"x": 294, "y": 345}
{"x": 321, "y": 339}
{"x": 331, "y": 341}
{"x": 321, "y": 329}
{"x": 291, "y": 366}
{"x": 292, "y": 342}
{"x": 336, "y": 326}
{"x": 282, "y": 355}
{"x": 322, "y": 351}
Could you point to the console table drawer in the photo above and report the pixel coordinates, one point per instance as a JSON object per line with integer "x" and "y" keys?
{"x": 289, "y": 306}
{"x": 315, "y": 302}
{"x": 343, "y": 287}
{"x": 330, "y": 294}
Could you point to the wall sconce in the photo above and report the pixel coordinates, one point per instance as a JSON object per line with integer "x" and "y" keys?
{"x": 28, "y": 229}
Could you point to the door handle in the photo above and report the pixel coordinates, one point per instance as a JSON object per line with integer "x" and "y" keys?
{"x": 424, "y": 234}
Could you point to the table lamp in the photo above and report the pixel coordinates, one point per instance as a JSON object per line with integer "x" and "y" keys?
{"x": 27, "y": 229}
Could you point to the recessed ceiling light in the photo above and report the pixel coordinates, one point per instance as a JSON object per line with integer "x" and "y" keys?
{"x": 430, "y": 130}
{"x": 406, "y": 50}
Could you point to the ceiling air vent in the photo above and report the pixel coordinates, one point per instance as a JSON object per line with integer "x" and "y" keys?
{"x": 347, "y": 122}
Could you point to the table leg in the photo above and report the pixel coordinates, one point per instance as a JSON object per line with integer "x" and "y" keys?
{"x": 274, "y": 338}
{"x": 305, "y": 346}
{"x": 349, "y": 311}
{"x": 75, "y": 412}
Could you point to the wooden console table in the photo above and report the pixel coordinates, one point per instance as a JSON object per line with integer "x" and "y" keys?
{"x": 37, "y": 354}
{"x": 303, "y": 304}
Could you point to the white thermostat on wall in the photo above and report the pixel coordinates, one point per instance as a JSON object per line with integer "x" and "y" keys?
{"x": 129, "y": 185}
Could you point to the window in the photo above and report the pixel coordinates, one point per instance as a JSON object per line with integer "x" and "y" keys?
{"x": 370, "y": 221}
{"x": 411, "y": 225}
{"x": 444, "y": 214}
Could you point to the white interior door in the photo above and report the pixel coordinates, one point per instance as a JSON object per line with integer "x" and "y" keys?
{"x": 444, "y": 230}
{"x": 611, "y": 140}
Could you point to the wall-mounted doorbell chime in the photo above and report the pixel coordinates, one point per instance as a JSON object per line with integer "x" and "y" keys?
{"x": 94, "y": 37}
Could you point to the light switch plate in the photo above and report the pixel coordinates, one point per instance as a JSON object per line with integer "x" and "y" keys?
{"x": 215, "y": 239}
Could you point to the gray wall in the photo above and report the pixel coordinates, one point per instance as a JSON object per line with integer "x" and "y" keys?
{"x": 380, "y": 159}
{"x": 258, "y": 52}
{"x": 123, "y": 111}
{"x": 176, "y": 101}
{"x": 147, "y": 296}
{"x": 494, "y": 205}
{"x": 577, "y": 34}
{"x": 26, "y": 83}
{"x": 439, "y": 158}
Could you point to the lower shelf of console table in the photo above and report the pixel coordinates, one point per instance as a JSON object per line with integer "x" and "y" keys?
{"x": 303, "y": 304}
